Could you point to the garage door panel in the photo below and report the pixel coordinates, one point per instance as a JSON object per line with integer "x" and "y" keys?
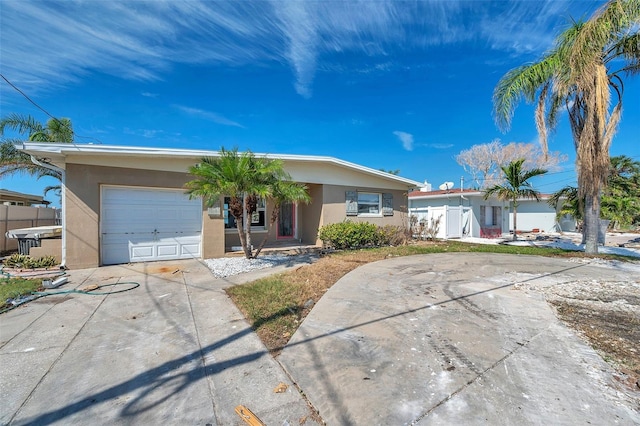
{"x": 190, "y": 250}
{"x": 143, "y": 224}
{"x": 167, "y": 250}
{"x": 142, "y": 252}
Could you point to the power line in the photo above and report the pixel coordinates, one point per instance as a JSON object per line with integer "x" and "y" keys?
{"x": 47, "y": 112}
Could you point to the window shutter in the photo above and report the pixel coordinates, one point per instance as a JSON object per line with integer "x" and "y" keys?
{"x": 387, "y": 204}
{"x": 352, "y": 203}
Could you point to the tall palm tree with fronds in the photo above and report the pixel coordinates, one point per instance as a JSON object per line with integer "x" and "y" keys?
{"x": 516, "y": 186}
{"x": 244, "y": 178}
{"x": 583, "y": 75}
{"x": 13, "y": 161}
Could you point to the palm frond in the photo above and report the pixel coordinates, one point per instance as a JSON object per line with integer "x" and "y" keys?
{"x": 521, "y": 83}
{"x": 22, "y": 124}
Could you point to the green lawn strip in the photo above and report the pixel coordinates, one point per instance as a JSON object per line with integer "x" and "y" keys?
{"x": 270, "y": 304}
{"x": 11, "y": 288}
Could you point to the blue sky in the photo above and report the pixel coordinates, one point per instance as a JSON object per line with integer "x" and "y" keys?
{"x": 385, "y": 84}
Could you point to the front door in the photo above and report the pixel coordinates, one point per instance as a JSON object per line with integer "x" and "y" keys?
{"x": 287, "y": 221}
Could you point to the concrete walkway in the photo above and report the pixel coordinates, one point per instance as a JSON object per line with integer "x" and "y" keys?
{"x": 173, "y": 351}
{"x": 446, "y": 339}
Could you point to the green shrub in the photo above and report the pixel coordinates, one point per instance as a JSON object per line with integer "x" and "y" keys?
{"x": 17, "y": 260}
{"x": 349, "y": 235}
{"x": 45, "y": 262}
{"x": 25, "y": 261}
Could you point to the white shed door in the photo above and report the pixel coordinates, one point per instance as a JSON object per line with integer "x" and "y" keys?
{"x": 145, "y": 224}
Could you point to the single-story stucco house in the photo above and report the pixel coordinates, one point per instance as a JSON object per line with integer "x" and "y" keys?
{"x": 465, "y": 213}
{"x": 127, "y": 204}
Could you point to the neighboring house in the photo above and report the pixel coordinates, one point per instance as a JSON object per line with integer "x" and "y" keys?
{"x": 18, "y": 210}
{"x": 127, "y": 204}
{"x": 12, "y": 198}
{"x": 465, "y": 213}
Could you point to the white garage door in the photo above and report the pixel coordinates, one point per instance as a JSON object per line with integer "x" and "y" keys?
{"x": 143, "y": 224}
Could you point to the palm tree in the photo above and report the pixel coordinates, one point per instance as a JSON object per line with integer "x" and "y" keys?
{"x": 244, "y": 178}
{"x": 516, "y": 186}
{"x": 578, "y": 76}
{"x": 13, "y": 161}
{"x": 567, "y": 202}
{"x": 621, "y": 197}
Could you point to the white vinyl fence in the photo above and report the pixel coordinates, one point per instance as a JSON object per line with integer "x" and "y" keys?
{"x": 450, "y": 221}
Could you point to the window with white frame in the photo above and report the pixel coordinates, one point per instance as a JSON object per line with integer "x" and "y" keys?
{"x": 257, "y": 218}
{"x": 362, "y": 203}
{"x": 369, "y": 203}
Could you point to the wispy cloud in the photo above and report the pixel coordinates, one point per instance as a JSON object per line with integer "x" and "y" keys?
{"x": 143, "y": 40}
{"x": 439, "y": 145}
{"x": 145, "y": 133}
{"x": 406, "y": 139}
{"x": 208, "y": 115}
{"x": 149, "y": 95}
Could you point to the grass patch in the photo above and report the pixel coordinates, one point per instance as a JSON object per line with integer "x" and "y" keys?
{"x": 11, "y": 288}
{"x": 275, "y": 306}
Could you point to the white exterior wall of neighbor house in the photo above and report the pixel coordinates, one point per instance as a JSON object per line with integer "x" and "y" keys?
{"x": 533, "y": 215}
{"x": 452, "y": 204}
{"x": 494, "y": 225}
{"x": 540, "y": 215}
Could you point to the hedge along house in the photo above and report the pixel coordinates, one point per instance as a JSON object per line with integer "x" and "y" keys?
{"x": 127, "y": 204}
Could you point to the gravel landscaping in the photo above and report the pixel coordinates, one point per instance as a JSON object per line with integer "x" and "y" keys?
{"x": 228, "y": 266}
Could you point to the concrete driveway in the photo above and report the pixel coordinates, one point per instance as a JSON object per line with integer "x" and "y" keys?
{"x": 450, "y": 339}
{"x": 173, "y": 351}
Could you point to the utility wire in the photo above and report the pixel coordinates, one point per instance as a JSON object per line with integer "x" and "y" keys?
{"x": 45, "y": 111}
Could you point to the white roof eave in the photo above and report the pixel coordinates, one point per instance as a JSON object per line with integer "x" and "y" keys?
{"x": 60, "y": 151}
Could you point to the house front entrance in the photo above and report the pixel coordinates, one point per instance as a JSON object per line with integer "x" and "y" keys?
{"x": 287, "y": 221}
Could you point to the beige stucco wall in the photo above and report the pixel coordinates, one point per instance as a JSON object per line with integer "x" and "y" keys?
{"x": 335, "y": 207}
{"x": 310, "y": 215}
{"x": 82, "y": 198}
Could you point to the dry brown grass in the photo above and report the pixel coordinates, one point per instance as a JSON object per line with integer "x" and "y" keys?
{"x": 615, "y": 334}
{"x": 275, "y": 306}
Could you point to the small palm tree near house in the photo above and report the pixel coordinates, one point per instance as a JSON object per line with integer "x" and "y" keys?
{"x": 516, "y": 185}
{"x": 567, "y": 202}
{"x": 13, "y": 161}
{"x": 245, "y": 179}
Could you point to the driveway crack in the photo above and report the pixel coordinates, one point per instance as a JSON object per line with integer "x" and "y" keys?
{"x": 478, "y": 377}
{"x": 202, "y": 355}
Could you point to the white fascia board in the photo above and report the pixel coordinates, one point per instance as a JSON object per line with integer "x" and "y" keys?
{"x": 472, "y": 194}
{"x": 68, "y": 149}
{"x": 449, "y": 195}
